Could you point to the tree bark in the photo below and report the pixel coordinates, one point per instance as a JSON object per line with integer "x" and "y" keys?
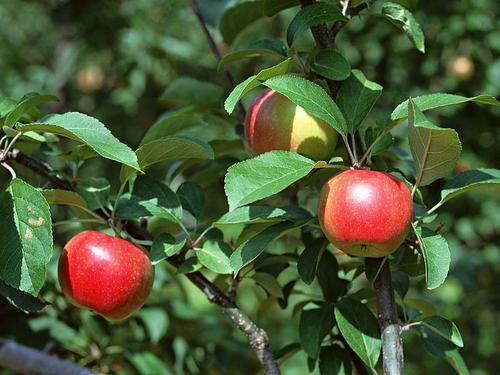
{"x": 392, "y": 343}
{"x": 25, "y": 360}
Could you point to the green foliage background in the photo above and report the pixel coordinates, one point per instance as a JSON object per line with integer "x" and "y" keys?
{"x": 114, "y": 59}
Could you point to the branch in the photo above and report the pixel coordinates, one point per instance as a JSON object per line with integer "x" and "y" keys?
{"x": 41, "y": 168}
{"x": 392, "y": 344}
{"x": 218, "y": 55}
{"x": 257, "y": 337}
{"x": 25, "y": 360}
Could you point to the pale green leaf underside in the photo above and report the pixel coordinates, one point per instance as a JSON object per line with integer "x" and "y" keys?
{"x": 436, "y": 255}
{"x": 470, "y": 180}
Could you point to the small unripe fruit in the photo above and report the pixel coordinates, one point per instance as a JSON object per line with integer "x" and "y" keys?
{"x": 462, "y": 67}
{"x": 274, "y": 122}
{"x": 106, "y": 274}
{"x": 365, "y": 213}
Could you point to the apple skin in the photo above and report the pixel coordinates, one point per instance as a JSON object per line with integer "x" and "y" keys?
{"x": 274, "y": 122}
{"x": 106, "y": 274}
{"x": 365, "y": 213}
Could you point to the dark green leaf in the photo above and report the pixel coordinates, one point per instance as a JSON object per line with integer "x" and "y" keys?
{"x": 147, "y": 363}
{"x": 269, "y": 283}
{"x": 331, "y": 64}
{"x": 23, "y": 301}
{"x": 401, "y": 283}
{"x": 189, "y": 265}
{"x": 192, "y": 197}
{"x": 356, "y": 98}
{"x": 165, "y": 246}
{"x": 334, "y": 360}
{"x": 312, "y": 15}
{"x": 314, "y": 325}
{"x": 150, "y": 198}
{"x": 308, "y": 260}
{"x": 253, "y": 247}
{"x": 95, "y": 191}
{"x": 24, "y": 105}
{"x": 444, "y": 328}
{"x": 331, "y": 285}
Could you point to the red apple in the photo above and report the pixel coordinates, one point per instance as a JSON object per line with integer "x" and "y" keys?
{"x": 365, "y": 213}
{"x": 273, "y": 122}
{"x": 106, "y": 274}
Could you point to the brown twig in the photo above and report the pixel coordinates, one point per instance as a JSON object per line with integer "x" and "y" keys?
{"x": 218, "y": 55}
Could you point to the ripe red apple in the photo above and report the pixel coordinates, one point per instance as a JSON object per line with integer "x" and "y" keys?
{"x": 106, "y": 274}
{"x": 274, "y": 122}
{"x": 365, "y": 213}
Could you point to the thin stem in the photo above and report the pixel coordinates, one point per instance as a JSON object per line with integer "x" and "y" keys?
{"x": 2, "y": 140}
{"x": 9, "y": 146}
{"x": 117, "y": 200}
{"x": 349, "y": 151}
{"x": 392, "y": 344}
{"x": 11, "y": 171}
{"x": 439, "y": 204}
{"x": 368, "y": 152}
{"x": 354, "y": 151}
{"x": 201, "y": 236}
{"x": 218, "y": 55}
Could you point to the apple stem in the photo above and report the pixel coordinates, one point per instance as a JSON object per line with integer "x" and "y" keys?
{"x": 392, "y": 343}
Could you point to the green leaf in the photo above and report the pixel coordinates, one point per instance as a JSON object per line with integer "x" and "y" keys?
{"x": 269, "y": 283}
{"x": 470, "y": 180}
{"x": 263, "y": 176}
{"x": 156, "y": 321}
{"x": 312, "y": 15}
{"x": 436, "y": 256}
{"x": 265, "y": 47}
{"x": 215, "y": 256}
{"x": 23, "y": 301}
{"x": 334, "y": 361}
{"x": 187, "y": 90}
{"x": 435, "y": 150}
{"x": 147, "y": 363}
{"x": 331, "y": 285}
{"x": 356, "y": 98}
{"x": 432, "y": 101}
{"x": 189, "y": 265}
{"x": 150, "y": 198}
{"x": 87, "y": 130}
{"x": 253, "y": 247}
{"x": 95, "y": 191}
{"x": 237, "y": 18}
{"x": 457, "y": 362}
{"x": 262, "y": 214}
{"x": 307, "y": 263}
{"x": 202, "y": 126}
{"x": 26, "y": 247}
{"x": 24, "y": 105}
{"x": 360, "y": 329}
{"x": 404, "y": 19}
{"x": 168, "y": 148}
{"x": 165, "y": 246}
{"x": 311, "y": 97}
{"x": 401, "y": 283}
{"x": 331, "y": 64}
{"x": 254, "y": 81}
{"x": 192, "y": 197}
{"x": 444, "y": 328}
{"x": 314, "y": 325}
{"x": 64, "y": 197}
